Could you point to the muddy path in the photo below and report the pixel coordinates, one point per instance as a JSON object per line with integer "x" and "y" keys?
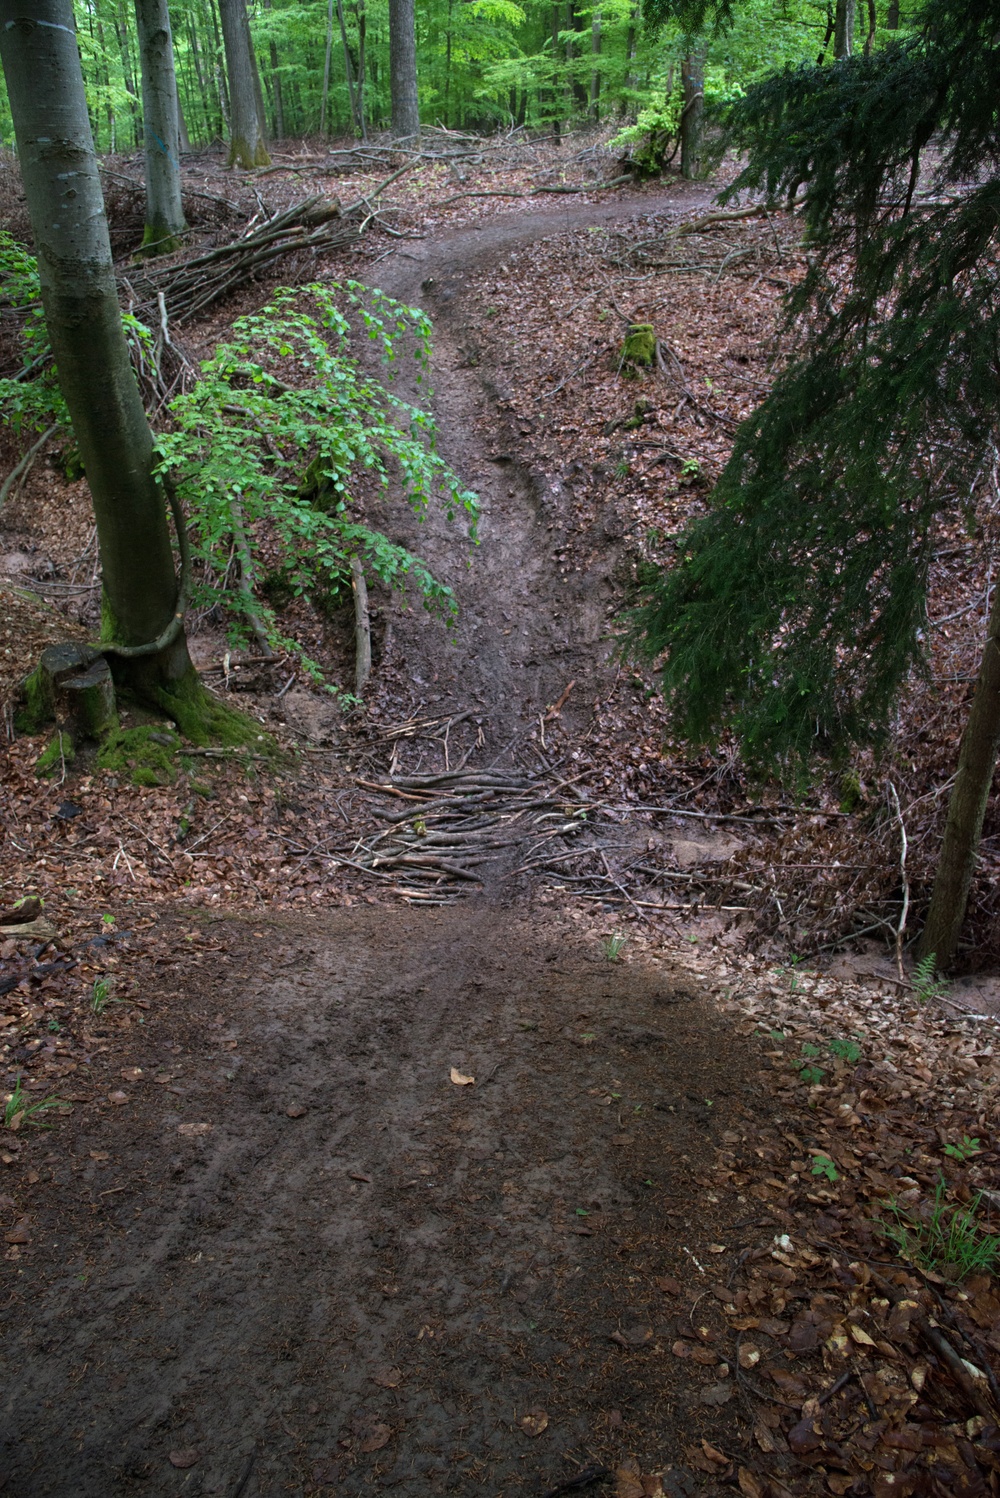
{"x": 277, "y": 1248}
{"x": 295, "y": 1249}
{"x": 523, "y": 632}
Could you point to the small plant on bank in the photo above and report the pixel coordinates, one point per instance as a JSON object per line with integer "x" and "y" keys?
{"x": 846, "y": 1050}
{"x": 948, "y": 1240}
{"x": 823, "y": 1166}
{"x": 926, "y": 985}
{"x": 18, "y": 1111}
{"x": 100, "y": 995}
{"x": 612, "y": 947}
{"x": 964, "y": 1151}
{"x": 809, "y": 1072}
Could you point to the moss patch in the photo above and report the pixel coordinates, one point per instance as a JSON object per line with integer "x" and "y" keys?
{"x": 59, "y": 753}
{"x": 145, "y": 755}
{"x": 36, "y": 709}
{"x": 639, "y": 348}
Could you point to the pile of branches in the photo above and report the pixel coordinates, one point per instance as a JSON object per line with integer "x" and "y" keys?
{"x": 188, "y": 286}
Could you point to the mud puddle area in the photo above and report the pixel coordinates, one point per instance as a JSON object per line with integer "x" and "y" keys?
{"x": 285, "y": 1248}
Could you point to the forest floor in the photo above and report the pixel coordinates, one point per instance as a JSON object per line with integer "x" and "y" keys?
{"x": 368, "y": 1176}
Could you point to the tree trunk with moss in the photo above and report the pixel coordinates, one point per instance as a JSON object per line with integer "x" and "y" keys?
{"x": 693, "y": 75}
{"x": 161, "y": 125}
{"x": 977, "y": 757}
{"x": 59, "y": 169}
{"x": 246, "y": 142}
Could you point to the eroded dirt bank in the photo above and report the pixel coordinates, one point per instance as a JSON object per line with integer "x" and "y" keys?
{"x": 298, "y": 1254}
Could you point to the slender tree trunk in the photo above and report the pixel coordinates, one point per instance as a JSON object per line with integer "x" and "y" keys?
{"x": 353, "y": 86}
{"x": 160, "y": 117}
{"x": 279, "y": 103}
{"x": 595, "y": 72}
{"x": 843, "y": 34}
{"x": 977, "y": 757}
{"x": 872, "y": 27}
{"x": 246, "y": 145}
{"x": 403, "y": 69}
{"x": 892, "y": 16}
{"x": 693, "y": 76}
{"x": 183, "y": 139}
{"x": 258, "y": 92}
{"x": 326, "y": 67}
{"x": 556, "y": 123}
{"x": 63, "y": 190}
{"x": 831, "y": 26}
{"x": 361, "y": 21}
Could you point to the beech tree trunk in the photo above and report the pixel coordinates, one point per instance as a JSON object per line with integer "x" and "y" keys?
{"x": 246, "y": 142}
{"x": 977, "y": 757}
{"x": 693, "y": 75}
{"x": 59, "y": 170}
{"x": 161, "y": 126}
{"x": 403, "y": 69}
{"x": 843, "y": 31}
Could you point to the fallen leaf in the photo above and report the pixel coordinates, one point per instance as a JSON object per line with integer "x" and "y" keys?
{"x": 750, "y": 1484}
{"x": 790, "y": 1384}
{"x": 193, "y": 1130}
{"x": 118, "y": 1098}
{"x": 389, "y": 1378}
{"x": 378, "y": 1436}
{"x": 534, "y": 1422}
{"x": 633, "y": 1336}
{"x": 714, "y": 1454}
{"x": 717, "y": 1394}
{"x": 459, "y": 1080}
{"x": 296, "y": 1110}
{"x": 628, "y": 1483}
{"x": 860, "y": 1335}
{"x": 749, "y": 1356}
{"x": 667, "y": 1285}
{"x": 359, "y": 1175}
{"x": 19, "y": 1233}
{"x": 186, "y": 1458}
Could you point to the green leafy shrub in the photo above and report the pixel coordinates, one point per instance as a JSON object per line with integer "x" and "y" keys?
{"x": 278, "y": 431}
{"x": 946, "y": 1239}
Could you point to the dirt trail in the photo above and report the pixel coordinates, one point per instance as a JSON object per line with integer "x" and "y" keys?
{"x": 293, "y": 1252}
{"x": 523, "y": 632}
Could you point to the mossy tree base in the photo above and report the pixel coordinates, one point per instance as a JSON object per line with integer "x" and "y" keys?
{"x": 639, "y": 348}
{"x": 242, "y": 153}
{"x": 159, "y": 239}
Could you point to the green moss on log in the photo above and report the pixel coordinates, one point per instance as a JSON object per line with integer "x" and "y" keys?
{"x": 143, "y": 755}
{"x": 36, "y": 710}
{"x": 639, "y": 348}
{"x": 55, "y": 756}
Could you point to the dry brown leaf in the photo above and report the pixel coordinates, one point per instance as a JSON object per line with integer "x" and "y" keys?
{"x": 460, "y": 1080}
{"x": 377, "y": 1436}
{"x": 534, "y": 1422}
{"x": 185, "y": 1458}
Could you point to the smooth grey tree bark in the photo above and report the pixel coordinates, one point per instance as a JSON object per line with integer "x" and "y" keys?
{"x": 246, "y": 142}
{"x": 843, "y": 31}
{"x": 977, "y": 758}
{"x": 161, "y": 128}
{"x": 692, "y": 118}
{"x": 403, "y": 69}
{"x": 59, "y": 170}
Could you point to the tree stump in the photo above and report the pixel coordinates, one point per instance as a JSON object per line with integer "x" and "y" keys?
{"x": 72, "y": 686}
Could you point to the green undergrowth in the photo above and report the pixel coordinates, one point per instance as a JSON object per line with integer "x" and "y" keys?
{"x": 944, "y": 1238}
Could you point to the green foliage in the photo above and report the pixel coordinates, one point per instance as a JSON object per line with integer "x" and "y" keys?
{"x": 926, "y": 985}
{"x": 284, "y": 396}
{"x": 613, "y": 946}
{"x": 19, "y": 1111}
{"x": 796, "y": 611}
{"x": 946, "y": 1239}
{"x": 823, "y": 1166}
{"x": 963, "y": 1152}
{"x": 846, "y": 1050}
